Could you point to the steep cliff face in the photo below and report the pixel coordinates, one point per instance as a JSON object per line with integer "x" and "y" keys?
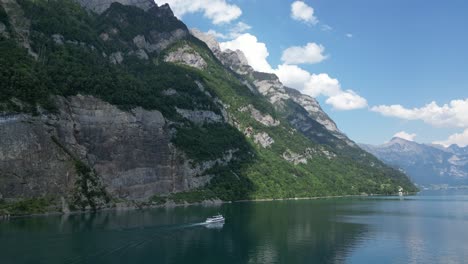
{"x": 131, "y": 151}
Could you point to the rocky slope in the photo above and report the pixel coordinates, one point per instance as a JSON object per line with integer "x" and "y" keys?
{"x": 425, "y": 164}
{"x": 124, "y": 104}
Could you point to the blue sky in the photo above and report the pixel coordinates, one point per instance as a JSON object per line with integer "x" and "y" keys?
{"x": 401, "y": 52}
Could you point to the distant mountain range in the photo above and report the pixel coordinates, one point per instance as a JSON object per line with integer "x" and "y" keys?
{"x": 425, "y": 164}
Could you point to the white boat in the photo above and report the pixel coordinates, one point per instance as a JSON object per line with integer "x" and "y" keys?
{"x": 214, "y": 219}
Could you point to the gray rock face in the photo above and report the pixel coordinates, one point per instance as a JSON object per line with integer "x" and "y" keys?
{"x": 210, "y": 40}
{"x": 263, "y": 139}
{"x": 58, "y": 39}
{"x": 116, "y": 58}
{"x": 158, "y": 40}
{"x": 31, "y": 164}
{"x": 313, "y": 108}
{"x": 130, "y": 152}
{"x": 100, "y": 6}
{"x": 266, "y": 120}
{"x": 294, "y": 157}
{"x": 188, "y": 56}
{"x": 270, "y": 86}
{"x": 19, "y": 24}
{"x": 141, "y": 54}
{"x": 200, "y": 116}
{"x": 236, "y": 61}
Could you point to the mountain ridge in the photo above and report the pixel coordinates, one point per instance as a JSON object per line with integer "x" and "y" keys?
{"x": 426, "y": 164}
{"x": 127, "y": 107}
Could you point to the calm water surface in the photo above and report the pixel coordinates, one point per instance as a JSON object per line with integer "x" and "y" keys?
{"x": 431, "y": 227}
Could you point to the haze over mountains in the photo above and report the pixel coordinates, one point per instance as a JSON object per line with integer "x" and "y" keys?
{"x": 425, "y": 164}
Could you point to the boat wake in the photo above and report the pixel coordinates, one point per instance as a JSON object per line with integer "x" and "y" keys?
{"x": 136, "y": 243}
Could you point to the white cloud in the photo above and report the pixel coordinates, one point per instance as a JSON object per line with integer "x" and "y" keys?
{"x": 347, "y": 100}
{"x": 326, "y": 28}
{"x": 320, "y": 85}
{"x": 405, "y": 135}
{"x": 292, "y": 76}
{"x": 256, "y": 52}
{"x": 218, "y": 11}
{"x": 349, "y": 35}
{"x": 310, "y": 53}
{"x": 234, "y": 32}
{"x": 295, "y": 77}
{"x": 453, "y": 114}
{"x": 302, "y": 12}
{"x": 461, "y": 139}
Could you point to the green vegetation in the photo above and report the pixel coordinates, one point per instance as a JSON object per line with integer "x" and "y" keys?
{"x": 4, "y": 17}
{"x": 78, "y": 66}
{"x": 209, "y": 142}
{"x": 26, "y": 206}
{"x": 89, "y": 191}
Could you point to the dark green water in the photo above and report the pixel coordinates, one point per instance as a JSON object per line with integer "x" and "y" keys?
{"x": 428, "y": 228}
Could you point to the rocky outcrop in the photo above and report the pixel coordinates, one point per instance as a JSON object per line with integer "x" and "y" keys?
{"x": 116, "y": 58}
{"x": 236, "y": 61}
{"x": 209, "y": 40}
{"x": 263, "y": 139}
{"x": 270, "y": 86}
{"x": 130, "y": 152}
{"x": 307, "y": 154}
{"x": 188, "y": 56}
{"x": 19, "y": 24}
{"x": 200, "y": 116}
{"x": 266, "y": 120}
{"x": 294, "y": 157}
{"x": 158, "y": 40}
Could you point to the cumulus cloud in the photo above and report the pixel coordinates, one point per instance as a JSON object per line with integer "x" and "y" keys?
{"x": 405, "y": 135}
{"x": 256, "y": 52}
{"x": 347, "y": 100}
{"x": 218, "y": 11}
{"x": 453, "y": 114}
{"x": 461, "y": 139}
{"x": 295, "y": 77}
{"x": 349, "y": 35}
{"x": 320, "y": 85}
{"x": 300, "y": 11}
{"x": 310, "y": 53}
{"x": 238, "y": 29}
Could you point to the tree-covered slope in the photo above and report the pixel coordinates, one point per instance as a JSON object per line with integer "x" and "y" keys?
{"x": 232, "y": 141}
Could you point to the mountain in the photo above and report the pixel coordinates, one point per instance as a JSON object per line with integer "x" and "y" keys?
{"x": 425, "y": 164}
{"x": 118, "y": 104}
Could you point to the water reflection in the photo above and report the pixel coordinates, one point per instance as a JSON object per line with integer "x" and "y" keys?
{"x": 384, "y": 230}
{"x": 218, "y": 225}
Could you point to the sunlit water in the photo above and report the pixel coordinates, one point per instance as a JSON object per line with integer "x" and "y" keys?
{"x": 428, "y": 228}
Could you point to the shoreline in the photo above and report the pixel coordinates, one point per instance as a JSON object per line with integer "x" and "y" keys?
{"x": 172, "y": 204}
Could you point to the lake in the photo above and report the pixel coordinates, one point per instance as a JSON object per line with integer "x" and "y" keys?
{"x": 431, "y": 227}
